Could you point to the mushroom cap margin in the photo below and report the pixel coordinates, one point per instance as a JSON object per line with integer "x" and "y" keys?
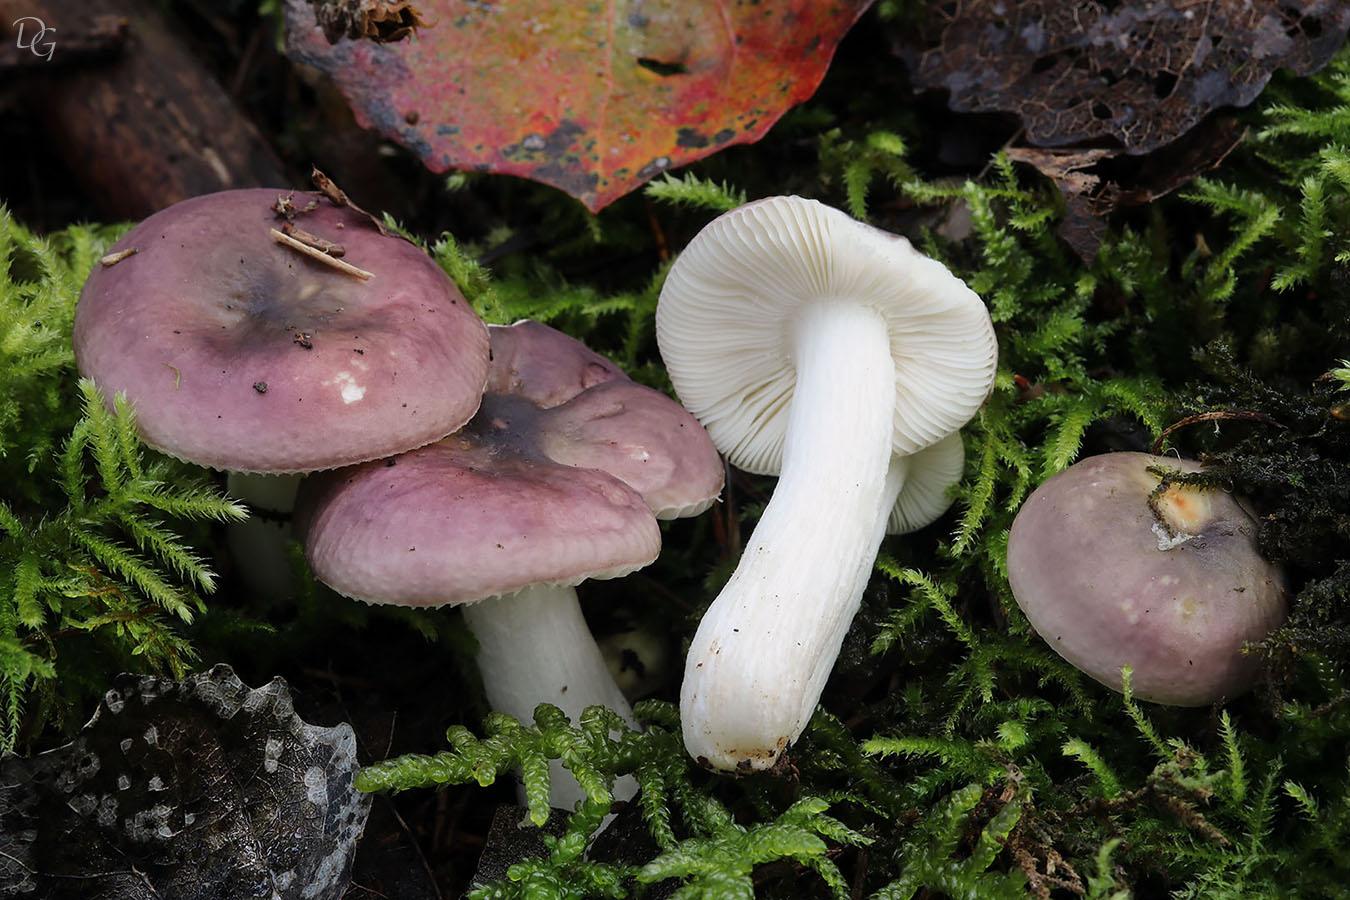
{"x": 724, "y": 324}
{"x": 456, "y": 522}
{"x": 593, "y": 415}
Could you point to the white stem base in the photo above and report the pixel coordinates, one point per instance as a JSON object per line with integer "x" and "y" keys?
{"x": 535, "y": 647}
{"x": 766, "y": 646}
{"x": 259, "y": 545}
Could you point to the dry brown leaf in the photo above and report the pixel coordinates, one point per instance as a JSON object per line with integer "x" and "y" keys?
{"x": 1082, "y": 227}
{"x": 1136, "y": 74}
{"x": 1094, "y": 182}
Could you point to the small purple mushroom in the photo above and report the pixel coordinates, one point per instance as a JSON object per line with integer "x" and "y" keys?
{"x": 243, "y": 353}
{"x": 1113, "y": 568}
{"x": 557, "y": 479}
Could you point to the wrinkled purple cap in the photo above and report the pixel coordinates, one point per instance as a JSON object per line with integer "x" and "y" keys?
{"x": 555, "y": 480}
{"x": 244, "y": 354}
{"x": 592, "y": 415}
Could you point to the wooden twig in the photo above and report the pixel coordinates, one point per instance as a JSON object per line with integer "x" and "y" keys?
{"x": 1211, "y": 416}
{"x": 332, "y": 248}
{"x": 316, "y": 253}
{"x": 113, "y": 259}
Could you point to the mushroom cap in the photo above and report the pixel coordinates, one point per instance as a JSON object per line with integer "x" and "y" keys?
{"x": 241, "y": 353}
{"x": 1107, "y": 584}
{"x": 543, "y": 365}
{"x": 929, "y": 474}
{"x": 594, "y": 416}
{"x": 460, "y": 520}
{"x": 555, "y": 480}
{"x": 725, "y": 324}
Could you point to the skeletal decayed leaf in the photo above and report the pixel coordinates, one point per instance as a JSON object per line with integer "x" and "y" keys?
{"x": 594, "y": 99}
{"x": 181, "y": 788}
{"x": 1139, "y": 73}
{"x": 1089, "y": 196}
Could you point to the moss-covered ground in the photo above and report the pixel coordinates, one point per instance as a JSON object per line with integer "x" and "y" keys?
{"x": 954, "y": 754}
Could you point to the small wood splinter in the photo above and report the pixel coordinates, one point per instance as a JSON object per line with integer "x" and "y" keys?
{"x": 316, "y": 253}
{"x": 332, "y": 248}
{"x": 113, "y": 259}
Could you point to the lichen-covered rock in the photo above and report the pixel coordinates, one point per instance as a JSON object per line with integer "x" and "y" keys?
{"x": 193, "y": 789}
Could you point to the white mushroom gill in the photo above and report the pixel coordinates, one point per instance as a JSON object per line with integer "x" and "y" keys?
{"x": 764, "y": 649}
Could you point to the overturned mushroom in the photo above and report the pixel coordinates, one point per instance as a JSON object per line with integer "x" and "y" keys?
{"x": 827, "y": 352}
{"x": 1114, "y": 567}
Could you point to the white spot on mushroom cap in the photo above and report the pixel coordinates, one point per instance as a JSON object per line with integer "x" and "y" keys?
{"x": 348, "y": 387}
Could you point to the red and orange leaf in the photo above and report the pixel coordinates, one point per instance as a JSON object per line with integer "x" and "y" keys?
{"x": 593, "y": 98}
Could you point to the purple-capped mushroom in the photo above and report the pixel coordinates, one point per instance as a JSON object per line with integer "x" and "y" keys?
{"x": 558, "y": 478}
{"x": 1113, "y": 568}
{"x": 830, "y": 353}
{"x": 242, "y": 353}
{"x": 256, "y": 343}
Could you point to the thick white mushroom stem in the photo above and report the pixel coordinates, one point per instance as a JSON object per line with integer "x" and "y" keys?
{"x": 259, "y": 544}
{"x": 534, "y": 647}
{"x": 765, "y": 648}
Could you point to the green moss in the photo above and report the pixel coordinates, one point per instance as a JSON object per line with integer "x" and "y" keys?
{"x": 958, "y": 753}
{"x": 954, "y": 754}
{"x": 93, "y": 574}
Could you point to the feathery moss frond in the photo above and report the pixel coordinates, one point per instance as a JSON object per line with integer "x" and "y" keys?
{"x": 86, "y": 541}
{"x": 694, "y": 192}
{"x": 719, "y": 867}
{"x": 929, "y": 858}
